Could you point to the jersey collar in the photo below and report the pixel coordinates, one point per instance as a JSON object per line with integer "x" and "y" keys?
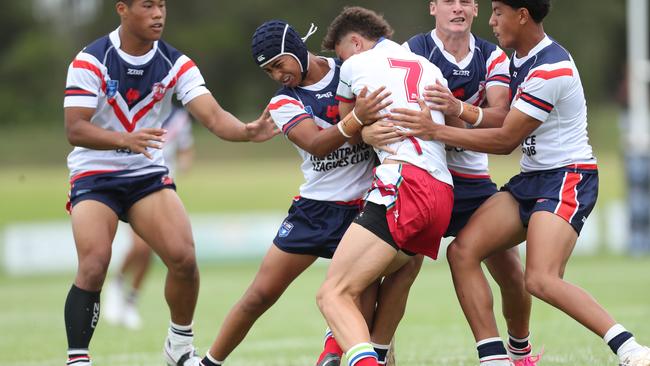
{"x": 545, "y": 42}
{"x": 114, "y": 36}
{"x": 462, "y": 63}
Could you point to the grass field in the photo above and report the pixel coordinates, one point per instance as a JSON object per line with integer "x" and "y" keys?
{"x": 34, "y": 187}
{"x": 432, "y": 333}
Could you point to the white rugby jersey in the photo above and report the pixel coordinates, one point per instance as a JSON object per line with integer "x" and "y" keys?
{"x": 178, "y": 138}
{"x": 546, "y": 86}
{"x": 485, "y": 66}
{"x": 405, "y": 74}
{"x": 128, "y": 93}
{"x": 346, "y": 173}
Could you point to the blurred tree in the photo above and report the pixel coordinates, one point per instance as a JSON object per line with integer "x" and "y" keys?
{"x": 35, "y": 50}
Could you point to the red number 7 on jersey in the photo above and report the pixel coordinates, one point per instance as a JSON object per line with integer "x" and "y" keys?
{"x": 412, "y": 78}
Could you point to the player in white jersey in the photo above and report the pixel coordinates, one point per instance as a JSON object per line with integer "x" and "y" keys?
{"x": 120, "y": 305}
{"x": 409, "y": 204}
{"x": 337, "y": 173}
{"x": 548, "y": 203}
{"x": 118, "y": 93}
{"x": 477, "y": 75}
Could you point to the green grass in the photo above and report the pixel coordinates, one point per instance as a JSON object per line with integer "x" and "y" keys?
{"x": 433, "y": 332}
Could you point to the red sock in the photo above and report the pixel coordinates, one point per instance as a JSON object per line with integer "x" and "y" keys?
{"x": 367, "y": 361}
{"x": 330, "y": 347}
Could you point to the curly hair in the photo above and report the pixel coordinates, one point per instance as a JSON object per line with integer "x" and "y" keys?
{"x": 364, "y": 21}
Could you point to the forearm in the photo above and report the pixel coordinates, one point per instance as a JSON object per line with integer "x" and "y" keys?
{"x": 326, "y": 141}
{"x": 85, "y": 134}
{"x": 489, "y": 140}
{"x": 493, "y": 117}
{"x": 227, "y": 127}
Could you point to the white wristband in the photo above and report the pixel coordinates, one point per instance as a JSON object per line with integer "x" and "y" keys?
{"x": 356, "y": 118}
{"x": 479, "y": 119}
{"x": 341, "y": 131}
{"x": 461, "y": 109}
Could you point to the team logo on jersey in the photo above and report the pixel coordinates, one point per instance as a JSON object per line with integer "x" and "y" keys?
{"x": 159, "y": 90}
{"x": 132, "y": 95}
{"x": 309, "y": 110}
{"x": 135, "y": 72}
{"x": 285, "y": 229}
{"x": 111, "y": 88}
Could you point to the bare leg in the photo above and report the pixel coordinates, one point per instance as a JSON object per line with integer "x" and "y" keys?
{"x": 160, "y": 220}
{"x": 507, "y": 270}
{"x": 137, "y": 261}
{"x": 549, "y": 245}
{"x": 494, "y": 227}
{"x": 277, "y": 272}
{"x": 360, "y": 259}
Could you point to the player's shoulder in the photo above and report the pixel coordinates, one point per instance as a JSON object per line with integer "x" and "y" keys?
{"x": 420, "y": 40}
{"x": 553, "y": 53}
{"x": 98, "y": 48}
{"x": 168, "y": 51}
{"x": 486, "y": 47}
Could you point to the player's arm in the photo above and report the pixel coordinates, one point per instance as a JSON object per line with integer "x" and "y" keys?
{"x": 322, "y": 142}
{"x": 441, "y": 99}
{"x": 503, "y": 140}
{"x": 226, "y": 126}
{"x": 81, "y": 132}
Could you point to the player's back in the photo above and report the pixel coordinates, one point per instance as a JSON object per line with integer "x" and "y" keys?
{"x": 405, "y": 75}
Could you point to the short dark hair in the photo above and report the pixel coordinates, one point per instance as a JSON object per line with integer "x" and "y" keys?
{"x": 538, "y": 9}
{"x": 364, "y": 21}
{"x": 127, "y": 2}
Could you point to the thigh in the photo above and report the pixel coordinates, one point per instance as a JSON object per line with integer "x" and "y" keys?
{"x": 93, "y": 226}
{"x": 549, "y": 243}
{"x": 160, "y": 219}
{"x": 494, "y": 227}
{"x": 359, "y": 260}
{"x": 279, "y": 269}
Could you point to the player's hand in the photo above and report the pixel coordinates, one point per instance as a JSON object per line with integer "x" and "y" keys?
{"x": 368, "y": 107}
{"x": 380, "y": 134}
{"x": 139, "y": 141}
{"x": 441, "y": 99}
{"x": 263, "y": 128}
{"x": 415, "y": 123}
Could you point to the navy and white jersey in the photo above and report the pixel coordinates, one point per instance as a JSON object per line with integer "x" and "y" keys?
{"x": 346, "y": 173}
{"x": 128, "y": 93}
{"x": 546, "y": 86}
{"x": 485, "y": 66}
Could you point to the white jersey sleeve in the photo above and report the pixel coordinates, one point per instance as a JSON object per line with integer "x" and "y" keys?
{"x": 542, "y": 88}
{"x": 345, "y": 92}
{"x": 287, "y": 112}
{"x": 190, "y": 82}
{"x": 84, "y": 82}
{"x": 498, "y": 69}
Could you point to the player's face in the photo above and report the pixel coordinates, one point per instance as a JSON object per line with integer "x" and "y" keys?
{"x": 145, "y": 18}
{"x": 348, "y": 46}
{"x": 454, "y": 16}
{"x": 505, "y": 24}
{"x": 284, "y": 70}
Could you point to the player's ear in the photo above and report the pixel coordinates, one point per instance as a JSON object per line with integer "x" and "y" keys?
{"x": 432, "y": 7}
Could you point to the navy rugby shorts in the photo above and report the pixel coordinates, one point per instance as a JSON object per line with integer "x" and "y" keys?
{"x": 469, "y": 195}
{"x": 315, "y": 227}
{"x": 117, "y": 191}
{"x": 568, "y": 192}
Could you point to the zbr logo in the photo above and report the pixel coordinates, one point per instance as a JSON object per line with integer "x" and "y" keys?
{"x": 285, "y": 229}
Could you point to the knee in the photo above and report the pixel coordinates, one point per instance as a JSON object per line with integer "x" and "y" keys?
{"x": 409, "y": 272}
{"x": 258, "y": 300}
{"x": 92, "y": 271}
{"x": 326, "y": 296}
{"x": 183, "y": 264}
{"x": 459, "y": 254}
{"x": 538, "y": 284}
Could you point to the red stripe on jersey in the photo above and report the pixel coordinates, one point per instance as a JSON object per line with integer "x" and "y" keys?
{"x": 120, "y": 115}
{"x": 186, "y": 66}
{"x": 501, "y": 78}
{"x": 415, "y": 142}
{"x": 71, "y": 93}
{"x": 546, "y": 75}
{"x": 583, "y": 166}
{"x": 497, "y": 61}
{"x": 88, "y": 173}
{"x": 568, "y": 196}
{"x": 344, "y": 99}
{"x": 78, "y": 64}
{"x": 536, "y": 102}
{"x": 469, "y": 176}
{"x": 283, "y": 102}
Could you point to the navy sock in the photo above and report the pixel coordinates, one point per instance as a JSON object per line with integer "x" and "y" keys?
{"x": 81, "y": 314}
{"x": 618, "y": 341}
{"x": 491, "y": 349}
